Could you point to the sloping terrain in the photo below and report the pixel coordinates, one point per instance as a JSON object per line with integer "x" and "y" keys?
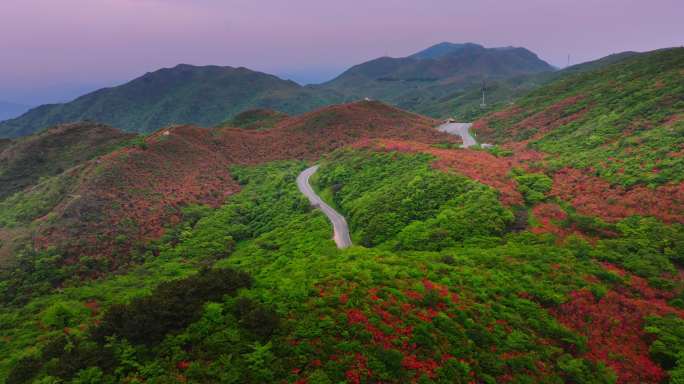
{"x": 443, "y": 290}
{"x": 444, "y": 79}
{"x": 210, "y": 95}
{"x": 613, "y": 135}
{"x": 455, "y": 63}
{"x": 441, "y": 81}
{"x": 23, "y": 162}
{"x": 511, "y": 264}
{"x": 184, "y": 94}
{"x": 255, "y": 119}
{"x": 128, "y": 196}
{"x": 600, "y": 63}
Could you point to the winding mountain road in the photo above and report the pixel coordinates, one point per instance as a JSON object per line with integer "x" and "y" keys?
{"x": 460, "y": 129}
{"x": 340, "y": 227}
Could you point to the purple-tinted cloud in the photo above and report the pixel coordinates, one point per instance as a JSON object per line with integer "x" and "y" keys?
{"x": 51, "y": 43}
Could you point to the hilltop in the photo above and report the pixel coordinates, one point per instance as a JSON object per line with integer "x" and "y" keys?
{"x": 96, "y": 195}
{"x": 440, "y": 81}
{"x": 24, "y": 161}
{"x": 183, "y": 94}
{"x": 255, "y": 119}
{"x": 615, "y": 134}
{"x": 453, "y": 63}
{"x": 190, "y": 255}
{"x": 429, "y": 81}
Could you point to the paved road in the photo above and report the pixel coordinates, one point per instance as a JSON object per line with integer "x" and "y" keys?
{"x": 460, "y": 129}
{"x": 340, "y": 227}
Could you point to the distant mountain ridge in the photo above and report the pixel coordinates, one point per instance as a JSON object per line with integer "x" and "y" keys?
{"x": 442, "y": 80}
{"x": 439, "y": 50}
{"x": 454, "y": 63}
{"x": 180, "y": 95}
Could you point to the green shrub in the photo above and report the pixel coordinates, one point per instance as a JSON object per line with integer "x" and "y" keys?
{"x": 65, "y": 314}
{"x": 171, "y": 307}
{"x": 533, "y": 186}
{"x": 24, "y": 370}
{"x": 259, "y": 320}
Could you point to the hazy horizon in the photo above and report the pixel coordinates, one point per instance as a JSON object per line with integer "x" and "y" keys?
{"x": 55, "y": 52}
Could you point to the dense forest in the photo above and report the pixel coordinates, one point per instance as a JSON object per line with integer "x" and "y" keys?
{"x": 553, "y": 256}
{"x": 444, "y": 289}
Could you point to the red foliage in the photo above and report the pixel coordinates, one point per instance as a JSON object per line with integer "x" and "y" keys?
{"x": 135, "y": 192}
{"x": 481, "y": 126}
{"x": 478, "y": 165}
{"x": 614, "y": 329}
{"x": 549, "y": 215}
{"x": 413, "y": 295}
{"x": 540, "y": 122}
{"x": 442, "y": 290}
{"x": 594, "y": 196}
{"x": 639, "y": 287}
{"x": 397, "y": 332}
{"x": 674, "y": 119}
{"x": 411, "y": 362}
{"x": 94, "y": 307}
{"x": 358, "y": 370}
{"x": 355, "y": 316}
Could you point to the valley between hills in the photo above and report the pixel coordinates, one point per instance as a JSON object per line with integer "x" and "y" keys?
{"x": 166, "y": 238}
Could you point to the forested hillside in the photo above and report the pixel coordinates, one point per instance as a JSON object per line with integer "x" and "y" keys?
{"x": 445, "y": 79}
{"x": 614, "y": 136}
{"x": 184, "y": 94}
{"x": 189, "y": 255}
{"x": 101, "y": 204}
{"x": 438, "y": 85}
{"x": 443, "y": 290}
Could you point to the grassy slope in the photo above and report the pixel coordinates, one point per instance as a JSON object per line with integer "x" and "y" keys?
{"x": 485, "y": 305}
{"x": 623, "y": 120}
{"x": 40, "y": 171}
{"x": 23, "y": 162}
{"x": 103, "y": 208}
{"x": 255, "y": 119}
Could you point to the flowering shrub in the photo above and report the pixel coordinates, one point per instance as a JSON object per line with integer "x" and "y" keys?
{"x": 614, "y": 327}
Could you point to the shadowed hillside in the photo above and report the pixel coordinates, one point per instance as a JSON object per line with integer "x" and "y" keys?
{"x": 435, "y": 81}
{"x": 23, "y": 162}
{"x": 438, "y": 80}
{"x": 133, "y": 192}
{"x": 184, "y": 94}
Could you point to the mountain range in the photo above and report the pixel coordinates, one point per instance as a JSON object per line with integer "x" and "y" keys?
{"x": 190, "y": 255}
{"x": 209, "y": 95}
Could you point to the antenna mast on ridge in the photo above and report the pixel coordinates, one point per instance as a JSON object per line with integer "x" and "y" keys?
{"x": 484, "y": 103}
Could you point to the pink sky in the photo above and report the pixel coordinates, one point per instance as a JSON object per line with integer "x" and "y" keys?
{"x": 51, "y": 47}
